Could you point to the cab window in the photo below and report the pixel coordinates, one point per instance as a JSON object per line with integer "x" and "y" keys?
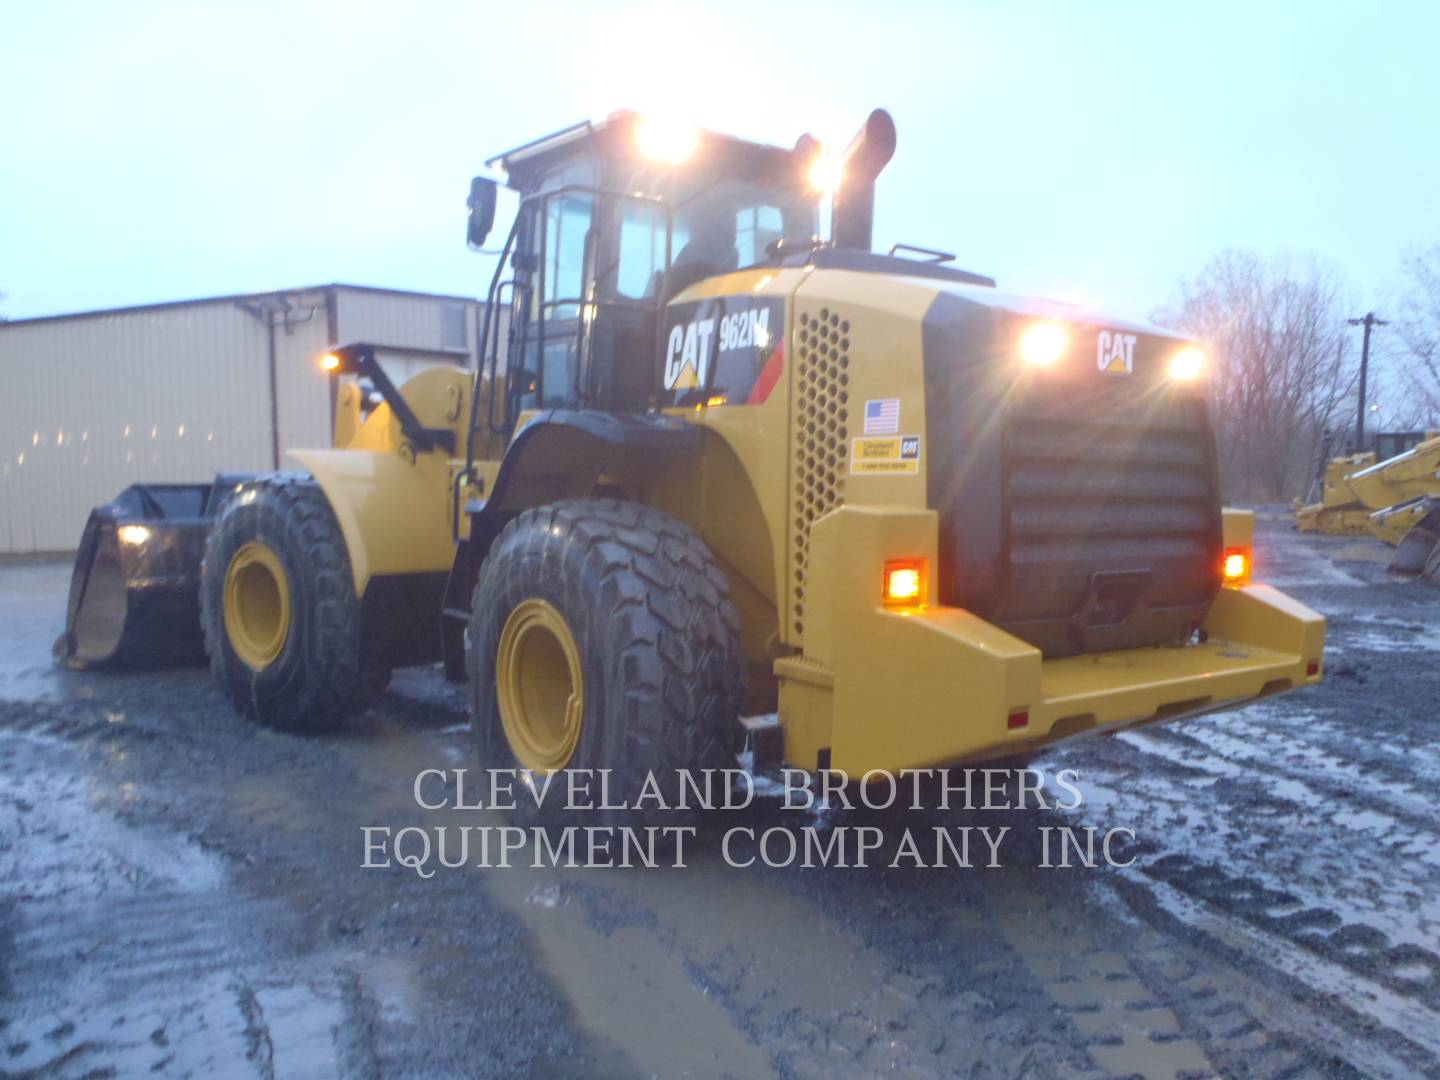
{"x": 567, "y": 227}
{"x": 642, "y": 252}
{"x": 757, "y": 226}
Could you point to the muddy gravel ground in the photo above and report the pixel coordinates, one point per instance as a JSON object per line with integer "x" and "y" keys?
{"x": 183, "y": 894}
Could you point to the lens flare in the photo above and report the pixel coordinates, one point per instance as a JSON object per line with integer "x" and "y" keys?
{"x": 1043, "y": 344}
{"x": 1188, "y": 364}
{"x": 670, "y": 142}
{"x": 826, "y": 172}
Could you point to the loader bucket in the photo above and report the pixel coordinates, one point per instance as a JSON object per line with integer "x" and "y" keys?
{"x": 1418, "y": 555}
{"x": 135, "y": 589}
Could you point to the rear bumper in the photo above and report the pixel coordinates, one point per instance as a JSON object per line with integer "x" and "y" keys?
{"x": 883, "y": 689}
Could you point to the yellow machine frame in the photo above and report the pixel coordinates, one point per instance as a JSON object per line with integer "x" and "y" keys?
{"x": 803, "y": 535}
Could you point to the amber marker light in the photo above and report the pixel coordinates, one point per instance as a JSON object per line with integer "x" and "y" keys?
{"x": 1042, "y": 344}
{"x": 1236, "y": 567}
{"x": 904, "y": 583}
{"x": 330, "y": 362}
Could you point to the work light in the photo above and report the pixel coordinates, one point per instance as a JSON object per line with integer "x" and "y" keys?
{"x": 1043, "y": 343}
{"x": 666, "y": 141}
{"x": 1188, "y": 364}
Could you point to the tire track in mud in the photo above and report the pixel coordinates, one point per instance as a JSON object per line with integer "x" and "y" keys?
{"x": 1336, "y": 898}
{"x": 259, "y": 965}
{"x": 819, "y": 999}
{"x": 120, "y": 956}
{"x": 1038, "y": 945}
{"x": 1127, "y": 1030}
{"x": 1363, "y": 897}
{"x": 1248, "y": 1025}
{"x": 1409, "y": 1021}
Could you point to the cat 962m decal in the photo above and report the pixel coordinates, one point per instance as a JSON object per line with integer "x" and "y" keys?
{"x": 714, "y": 351}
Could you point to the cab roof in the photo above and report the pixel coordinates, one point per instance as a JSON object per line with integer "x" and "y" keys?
{"x": 614, "y": 138}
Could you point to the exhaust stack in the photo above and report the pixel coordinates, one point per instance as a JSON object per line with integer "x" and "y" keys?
{"x": 852, "y": 210}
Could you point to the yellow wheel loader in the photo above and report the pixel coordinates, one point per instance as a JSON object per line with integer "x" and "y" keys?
{"x": 712, "y": 467}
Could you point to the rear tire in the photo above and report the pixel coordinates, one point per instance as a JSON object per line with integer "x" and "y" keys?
{"x": 653, "y": 664}
{"x": 279, "y": 611}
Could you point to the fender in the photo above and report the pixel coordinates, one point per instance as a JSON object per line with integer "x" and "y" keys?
{"x": 393, "y": 513}
{"x": 561, "y": 453}
{"x": 556, "y": 454}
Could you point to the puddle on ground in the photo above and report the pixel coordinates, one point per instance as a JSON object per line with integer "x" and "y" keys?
{"x": 618, "y": 982}
{"x": 70, "y": 844}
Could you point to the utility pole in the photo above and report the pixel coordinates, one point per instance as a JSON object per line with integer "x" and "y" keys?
{"x": 1368, "y": 322}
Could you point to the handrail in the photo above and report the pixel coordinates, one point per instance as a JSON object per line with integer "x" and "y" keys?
{"x": 533, "y": 214}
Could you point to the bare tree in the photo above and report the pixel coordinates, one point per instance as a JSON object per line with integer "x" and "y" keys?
{"x": 1417, "y": 325}
{"x": 1276, "y": 333}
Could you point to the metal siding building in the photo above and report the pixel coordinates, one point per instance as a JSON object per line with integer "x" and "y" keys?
{"x": 97, "y": 401}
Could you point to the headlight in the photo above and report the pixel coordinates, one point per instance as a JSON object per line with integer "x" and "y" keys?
{"x": 134, "y": 535}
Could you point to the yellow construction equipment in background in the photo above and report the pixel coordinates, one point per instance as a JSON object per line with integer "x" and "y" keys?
{"x": 1395, "y": 500}
{"x": 712, "y": 466}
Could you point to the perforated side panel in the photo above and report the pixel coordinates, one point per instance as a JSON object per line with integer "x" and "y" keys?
{"x": 821, "y": 423}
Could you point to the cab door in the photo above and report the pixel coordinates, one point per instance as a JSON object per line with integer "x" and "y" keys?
{"x": 547, "y": 331}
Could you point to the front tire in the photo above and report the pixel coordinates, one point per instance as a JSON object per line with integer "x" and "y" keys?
{"x": 602, "y": 637}
{"x": 279, "y": 611}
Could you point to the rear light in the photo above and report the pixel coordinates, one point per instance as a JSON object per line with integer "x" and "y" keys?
{"x": 1313, "y": 668}
{"x": 1018, "y": 719}
{"x": 1043, "y": 343}
{"x": 1188, "y": 364}
{"x": 904, "y": 583}
{"x": 1236, "y": 566}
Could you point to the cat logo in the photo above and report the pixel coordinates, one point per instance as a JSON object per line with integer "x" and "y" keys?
{"x": 687, "y": 353}
{"x": 1115, "y": 353}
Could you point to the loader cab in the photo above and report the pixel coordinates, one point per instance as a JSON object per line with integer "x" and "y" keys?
{"x": 615, "y": 220}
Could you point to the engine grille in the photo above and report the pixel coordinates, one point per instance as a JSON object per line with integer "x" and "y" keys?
{"x": 820, "y": 416}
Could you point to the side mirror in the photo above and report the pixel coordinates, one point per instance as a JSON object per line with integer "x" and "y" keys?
{"x": 482, "y": 210}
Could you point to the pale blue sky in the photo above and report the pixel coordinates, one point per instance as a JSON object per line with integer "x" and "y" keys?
{"x": 1088, "y": 151}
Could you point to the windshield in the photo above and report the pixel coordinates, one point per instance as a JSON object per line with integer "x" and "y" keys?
{"x": 720, "y": 226}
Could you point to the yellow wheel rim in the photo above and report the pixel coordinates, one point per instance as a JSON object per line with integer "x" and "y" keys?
{"x": 540, "y": 686}
{"x": 257, "y": 605}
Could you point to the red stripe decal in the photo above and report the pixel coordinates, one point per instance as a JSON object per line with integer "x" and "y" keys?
{"x": 769, "y": 376}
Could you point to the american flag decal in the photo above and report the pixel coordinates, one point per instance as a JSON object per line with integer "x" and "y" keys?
{"x": 882, "y": 417}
